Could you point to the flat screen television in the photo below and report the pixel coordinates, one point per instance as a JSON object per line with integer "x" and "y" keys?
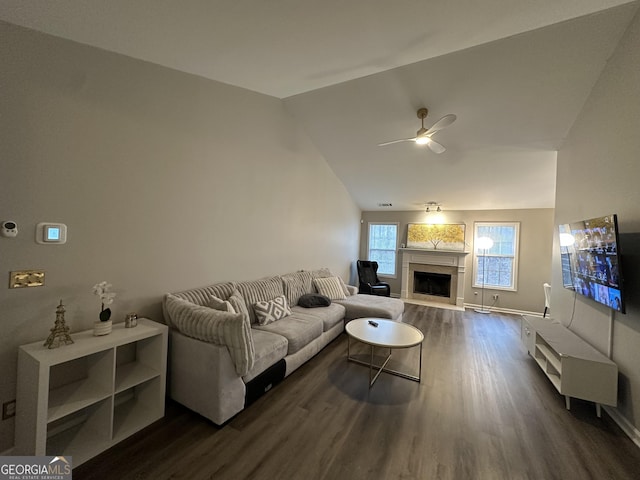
{"x": 591, "y": 260}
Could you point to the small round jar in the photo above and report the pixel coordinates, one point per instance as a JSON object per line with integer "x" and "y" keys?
{"x": 131, "y": 320}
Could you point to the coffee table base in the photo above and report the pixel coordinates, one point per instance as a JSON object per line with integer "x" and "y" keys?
{"x": 381, "y": 368}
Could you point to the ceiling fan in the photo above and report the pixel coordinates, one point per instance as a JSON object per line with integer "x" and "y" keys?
{"x": 424, "y": 135}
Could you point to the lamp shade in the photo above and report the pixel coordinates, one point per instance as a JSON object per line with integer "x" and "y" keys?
{"x": 484, "y": 243}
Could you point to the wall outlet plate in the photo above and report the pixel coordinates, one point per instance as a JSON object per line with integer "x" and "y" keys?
{"x": 8, "y": 409}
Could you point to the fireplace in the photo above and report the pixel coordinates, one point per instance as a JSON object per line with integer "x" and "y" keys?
{"x": 433, "y": 276}
{"x": 429, "y": 283}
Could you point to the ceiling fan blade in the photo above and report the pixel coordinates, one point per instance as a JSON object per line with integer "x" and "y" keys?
{"x": 436, "y": 147}
{"x": 397, "y": 141}
{"x": 444, "y": 122}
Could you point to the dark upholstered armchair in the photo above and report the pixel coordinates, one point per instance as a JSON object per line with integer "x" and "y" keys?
{"x": 369, "y": 282}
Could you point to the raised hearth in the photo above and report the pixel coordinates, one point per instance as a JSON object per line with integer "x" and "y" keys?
{"x": 442, "y": 267}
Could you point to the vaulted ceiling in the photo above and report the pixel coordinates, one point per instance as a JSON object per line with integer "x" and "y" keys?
{"x": 515, "y": 72}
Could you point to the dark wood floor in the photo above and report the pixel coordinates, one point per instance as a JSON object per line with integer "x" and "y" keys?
{"x": 484, "y": 410}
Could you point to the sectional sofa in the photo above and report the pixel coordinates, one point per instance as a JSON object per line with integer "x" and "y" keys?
{"x": 231, "y": 342}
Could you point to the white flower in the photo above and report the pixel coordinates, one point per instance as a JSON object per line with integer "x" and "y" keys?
{"x": 103, "y": 290}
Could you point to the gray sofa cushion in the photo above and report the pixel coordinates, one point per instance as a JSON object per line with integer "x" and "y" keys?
{"x": 360, "y": 305}
{"x": 298, "y": 331}
{"x": 295, "y": 285}
{"x": 329, "y": 316}
{"x": 264, "y": 289}
{"x": 214, "y": 326}
{"x": 269, "y": 349}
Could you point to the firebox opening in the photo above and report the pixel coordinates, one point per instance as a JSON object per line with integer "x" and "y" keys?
{"x": 437, "y": 284}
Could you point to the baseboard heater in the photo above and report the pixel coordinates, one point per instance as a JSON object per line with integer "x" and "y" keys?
{"x": 264, "y": 382}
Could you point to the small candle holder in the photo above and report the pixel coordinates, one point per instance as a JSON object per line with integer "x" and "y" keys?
{"x": 131, "y": 320}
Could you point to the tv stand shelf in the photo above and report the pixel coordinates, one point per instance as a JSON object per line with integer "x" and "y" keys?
{"x": 573, "y": 366}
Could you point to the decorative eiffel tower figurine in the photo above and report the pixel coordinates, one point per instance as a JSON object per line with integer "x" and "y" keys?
{"x": 60, "y": 332}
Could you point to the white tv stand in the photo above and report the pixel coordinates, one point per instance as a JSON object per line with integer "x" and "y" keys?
{"x": 574, "y": 367}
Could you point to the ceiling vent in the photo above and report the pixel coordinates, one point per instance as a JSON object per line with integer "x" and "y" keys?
{"x": 385, "y": 205}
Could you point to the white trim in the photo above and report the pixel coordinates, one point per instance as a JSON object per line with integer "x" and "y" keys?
{"x": 632, "y": 432}
{"x": 502, "y": 310}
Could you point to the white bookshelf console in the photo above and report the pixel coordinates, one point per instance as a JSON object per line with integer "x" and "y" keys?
{"x": 574, "y": 367}
{"x": 81, "y": 399}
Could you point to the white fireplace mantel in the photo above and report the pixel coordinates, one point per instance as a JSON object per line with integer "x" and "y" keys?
{"x": 446, "y": 258}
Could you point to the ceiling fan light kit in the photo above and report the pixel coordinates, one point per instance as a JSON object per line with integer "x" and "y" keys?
{"x": 423, "y": 135}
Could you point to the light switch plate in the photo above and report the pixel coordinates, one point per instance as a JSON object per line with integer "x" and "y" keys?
{"x": 26, "y": 278}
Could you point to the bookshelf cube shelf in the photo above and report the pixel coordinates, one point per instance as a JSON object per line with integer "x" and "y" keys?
{"x": 78, "y": 400}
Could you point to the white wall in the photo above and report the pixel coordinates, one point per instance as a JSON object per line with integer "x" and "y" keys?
{"x": 599, "y": 173}
{"x": 166, "y": 181}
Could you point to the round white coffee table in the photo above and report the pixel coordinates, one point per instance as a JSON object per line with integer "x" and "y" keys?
{"x": 379, "y": 332}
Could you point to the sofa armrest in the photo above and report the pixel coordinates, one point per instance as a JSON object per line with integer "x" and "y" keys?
{"x": 352, "y": 290}
{"x": 214, "y": 326}
{"x": 203, "y": 378}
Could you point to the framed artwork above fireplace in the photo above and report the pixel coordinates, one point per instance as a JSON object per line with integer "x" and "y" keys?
{"x": 445, "y": 237}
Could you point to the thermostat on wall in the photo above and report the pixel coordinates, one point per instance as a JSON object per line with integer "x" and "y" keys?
{"x": 51, "y": 233}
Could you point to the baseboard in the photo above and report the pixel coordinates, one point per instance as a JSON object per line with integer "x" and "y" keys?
{"x": 632, "y": 432}
{"x": 504, "y": 310}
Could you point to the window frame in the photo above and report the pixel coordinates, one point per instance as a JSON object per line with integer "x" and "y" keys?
{"x": 515, "y": 256}
{"x": 395, "y": 250}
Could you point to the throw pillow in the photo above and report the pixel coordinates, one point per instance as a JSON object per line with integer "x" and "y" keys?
{"x": 222, "y": 305}
{"x": 326, "y": 273}
{"x": 330, "y": 287}
{"x": 270, "y": 311}
{"x": 313, "y": 300}
{"x": 221, "y": 328}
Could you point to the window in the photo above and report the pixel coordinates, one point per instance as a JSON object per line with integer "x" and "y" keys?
{"x": 496, "y": 267}
{"x": 383, "y": 240}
